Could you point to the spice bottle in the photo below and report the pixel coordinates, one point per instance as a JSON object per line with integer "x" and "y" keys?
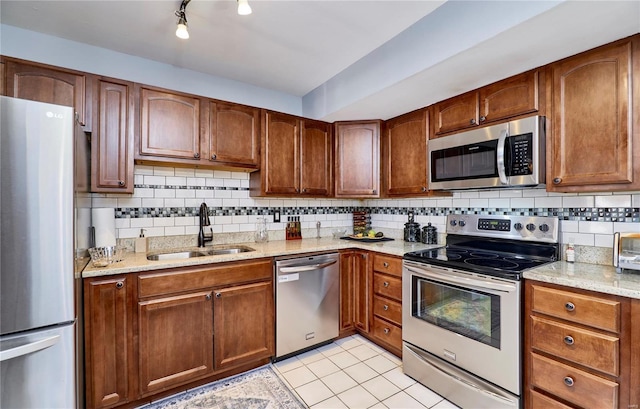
{"x": 570, "y": 254}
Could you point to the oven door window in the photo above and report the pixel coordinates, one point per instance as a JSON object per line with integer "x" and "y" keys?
{"x": 471, "y": 313}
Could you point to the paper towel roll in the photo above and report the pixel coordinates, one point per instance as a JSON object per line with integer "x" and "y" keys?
{"x": 104, "y": 223}
{"x": 83, "y": 224}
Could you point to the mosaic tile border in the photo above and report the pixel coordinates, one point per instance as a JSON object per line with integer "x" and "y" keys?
{"x": 594, "y": 214}
{"x": 184, "y": 187}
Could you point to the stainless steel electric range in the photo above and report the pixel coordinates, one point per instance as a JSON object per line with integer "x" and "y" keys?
{"x": 461, "y": 311}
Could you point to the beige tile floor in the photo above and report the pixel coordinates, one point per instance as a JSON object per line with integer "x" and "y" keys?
{"x": 355, "y": 373}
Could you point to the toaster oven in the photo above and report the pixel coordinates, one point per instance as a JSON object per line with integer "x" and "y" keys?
{"x": 626, "y": 251}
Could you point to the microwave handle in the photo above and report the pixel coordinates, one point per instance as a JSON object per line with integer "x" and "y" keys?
{"x": 616, "y": 249}
{"x": 502, "y": 140}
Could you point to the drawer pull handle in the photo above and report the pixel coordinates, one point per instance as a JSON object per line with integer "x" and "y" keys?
{"x": 385, "y": 264}
{"x": 568, "y": 381}
{"x": 386, "y": 284}
{"x": 387, "y": 330}
{"x": 569, "y": 306}
{"x": 569, "y": 340}
{"x": 386, "y": 308}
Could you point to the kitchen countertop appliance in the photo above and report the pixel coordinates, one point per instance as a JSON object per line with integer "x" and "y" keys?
{"x": 461, "y": 307}
{"x": 307, "y": 302}
{"x": 626, "y": 251}
{"x": 41, "y": 298}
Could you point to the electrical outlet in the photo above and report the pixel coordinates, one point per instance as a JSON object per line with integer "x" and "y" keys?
{"x": 276, "y": 216}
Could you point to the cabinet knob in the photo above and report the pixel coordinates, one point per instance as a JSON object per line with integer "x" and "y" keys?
{"x": 304, "y": 190}
{"x": 386, "y": 308}
{"x": 568, "y": 339}
{"x": 424, "y": 188}
{"x": 208, "y": 296}
{"x": 297, "y": 190}
{"x": 557, "y": 181}
{"x": 568, "y": 381}
{"x": 214, "y": 156}
{"x": 121, "y": 183}
{"x": 375, "y": 192}
{"x": 569, "y": 306}
{"x": 119, "y": 284}
{"x": 483, "y": 118}
{"x": 196, "y": 155}
{"x": 218, "y": 295}
{"x": 472, "y": 121}
{"x": 385, "y": 264}
{"x": 387, "y": 330}
{"x": 386, "y": 284}
{"x": 363, "y": 255}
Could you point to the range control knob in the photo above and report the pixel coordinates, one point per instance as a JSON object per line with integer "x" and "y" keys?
{"x": 531, "y": 227}
{"x": 453, "y": 223}
{"x": 518, "y": 226}
{"x": 462, "y": 223}
{"x": 544, "y": 227}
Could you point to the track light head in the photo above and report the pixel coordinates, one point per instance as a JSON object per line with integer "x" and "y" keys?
{"x": 182, "y": 31}
{"x": 243, "y": 7}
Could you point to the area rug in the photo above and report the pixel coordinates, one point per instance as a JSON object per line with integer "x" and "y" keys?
{"x": 257, "y": 389}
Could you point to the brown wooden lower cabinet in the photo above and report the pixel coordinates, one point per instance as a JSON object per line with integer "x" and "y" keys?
{"x": 147, "y": 334}
{"x": 578, "y": 349}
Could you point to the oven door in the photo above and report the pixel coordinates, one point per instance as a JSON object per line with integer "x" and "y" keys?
{"x": 469, "y": 320}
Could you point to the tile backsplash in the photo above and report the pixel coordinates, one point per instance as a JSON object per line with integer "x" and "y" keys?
{"x": 166, "y": 202}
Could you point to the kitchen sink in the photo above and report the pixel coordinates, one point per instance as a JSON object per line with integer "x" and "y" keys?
{"x": 215, "y": 251}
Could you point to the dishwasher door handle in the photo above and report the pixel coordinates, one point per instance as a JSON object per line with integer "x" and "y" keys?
{"x": 309, "y": 267}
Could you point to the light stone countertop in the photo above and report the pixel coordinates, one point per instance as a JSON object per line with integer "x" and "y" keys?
{"x": 592, "y": 277}
{"x": 137, "y": 262}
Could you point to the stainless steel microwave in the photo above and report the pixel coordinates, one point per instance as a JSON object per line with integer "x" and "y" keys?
{"x": 506, "y": 155}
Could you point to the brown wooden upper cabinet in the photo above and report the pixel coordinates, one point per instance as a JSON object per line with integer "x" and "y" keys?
{"x": 234, "y": 134}
{"x": 405, "y": 164}
{"x": 112, "y": 136}
{"x": 44, "y": 83}
{"x": 170, "y": 126}
{"x": 594, "y": 120}
{"x": 296, "y": 157}
{"x": 357, "y": 159}
{"x": 514, "y": 96}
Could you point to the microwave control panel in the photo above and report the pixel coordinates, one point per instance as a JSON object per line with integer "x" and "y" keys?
{"x": 521, "y": 155}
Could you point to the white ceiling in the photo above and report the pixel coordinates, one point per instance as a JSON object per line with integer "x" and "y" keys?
{"x": 345, "y": 59}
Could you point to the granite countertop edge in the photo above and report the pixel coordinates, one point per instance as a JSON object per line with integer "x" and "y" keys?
{"x": 585, "y": 276}
{"x": 137, "y": 262}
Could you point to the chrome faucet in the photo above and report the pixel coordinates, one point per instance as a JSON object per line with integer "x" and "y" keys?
{"x": 204, "y": 221}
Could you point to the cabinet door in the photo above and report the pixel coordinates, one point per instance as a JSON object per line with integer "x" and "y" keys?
{"x": 170, "y": 125}
{"x": 244, "y": 324}
{"x": 112, "y": 139}
{"x": 405, "y": 155}
{"x": 591, "y": 145}
{"x": 514, "y": 96}
{"x": 315, "y": 158}
{"x": 280, "y": 164}
{"x": 357, "y": 159}
{"x": 107, "y": 340}
{"x": 234, "y": 134}
{"x": 47, "y": 84}
{"x": 362, "y": 289}
{"x": 347, "y": 291}
{"x": 456, "y": 113}
{"x": 175, "y": 340}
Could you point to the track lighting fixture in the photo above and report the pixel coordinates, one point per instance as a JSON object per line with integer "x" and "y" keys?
{"x": 243, "y": 7}
{"x": 181, "y": 31}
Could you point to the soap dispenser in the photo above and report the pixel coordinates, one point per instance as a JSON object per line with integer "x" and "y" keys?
{"x": 141, "y": 243}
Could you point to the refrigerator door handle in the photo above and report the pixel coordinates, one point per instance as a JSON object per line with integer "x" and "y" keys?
{"x": 29, "y": 348}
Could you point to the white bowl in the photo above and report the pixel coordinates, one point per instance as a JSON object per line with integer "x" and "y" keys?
{"x": 337, "y": 233}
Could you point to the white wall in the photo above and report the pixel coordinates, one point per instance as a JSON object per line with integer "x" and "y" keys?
{"x": 32, "y": 46}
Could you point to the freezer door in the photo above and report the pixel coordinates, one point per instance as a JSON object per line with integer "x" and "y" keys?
{"x": 36, "y": 205}
{"x": 38, "y": 369}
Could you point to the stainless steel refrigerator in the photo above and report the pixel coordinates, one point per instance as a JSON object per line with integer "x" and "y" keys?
{"x": 39, "y": 299}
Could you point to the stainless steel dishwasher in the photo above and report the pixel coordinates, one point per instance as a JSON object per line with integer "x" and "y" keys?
{"x": 307, "y": 302}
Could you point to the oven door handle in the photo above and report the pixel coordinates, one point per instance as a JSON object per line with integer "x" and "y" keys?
{"x": 467, "y": 282}
{"x": 500, "y": 160}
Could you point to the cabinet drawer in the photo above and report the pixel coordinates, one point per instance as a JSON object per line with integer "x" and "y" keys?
{"x": 387, "y": 332}
{"x": 540, "y": 401}
{"x": 387, "y": 309}
{"x": 587, "y": 390}
{"x": 212, "y": 275}
{"x": 584, "y": 309}
{"x": 387, "y": 264}
{"x": 584, "y": 347}
{"x": 388, "y": 286}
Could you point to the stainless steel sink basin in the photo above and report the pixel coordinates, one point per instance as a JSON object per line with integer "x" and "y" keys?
{"x": 215, "y": 251}
{"x": 176, "y": 255}
{"x": 229, "y": 250}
